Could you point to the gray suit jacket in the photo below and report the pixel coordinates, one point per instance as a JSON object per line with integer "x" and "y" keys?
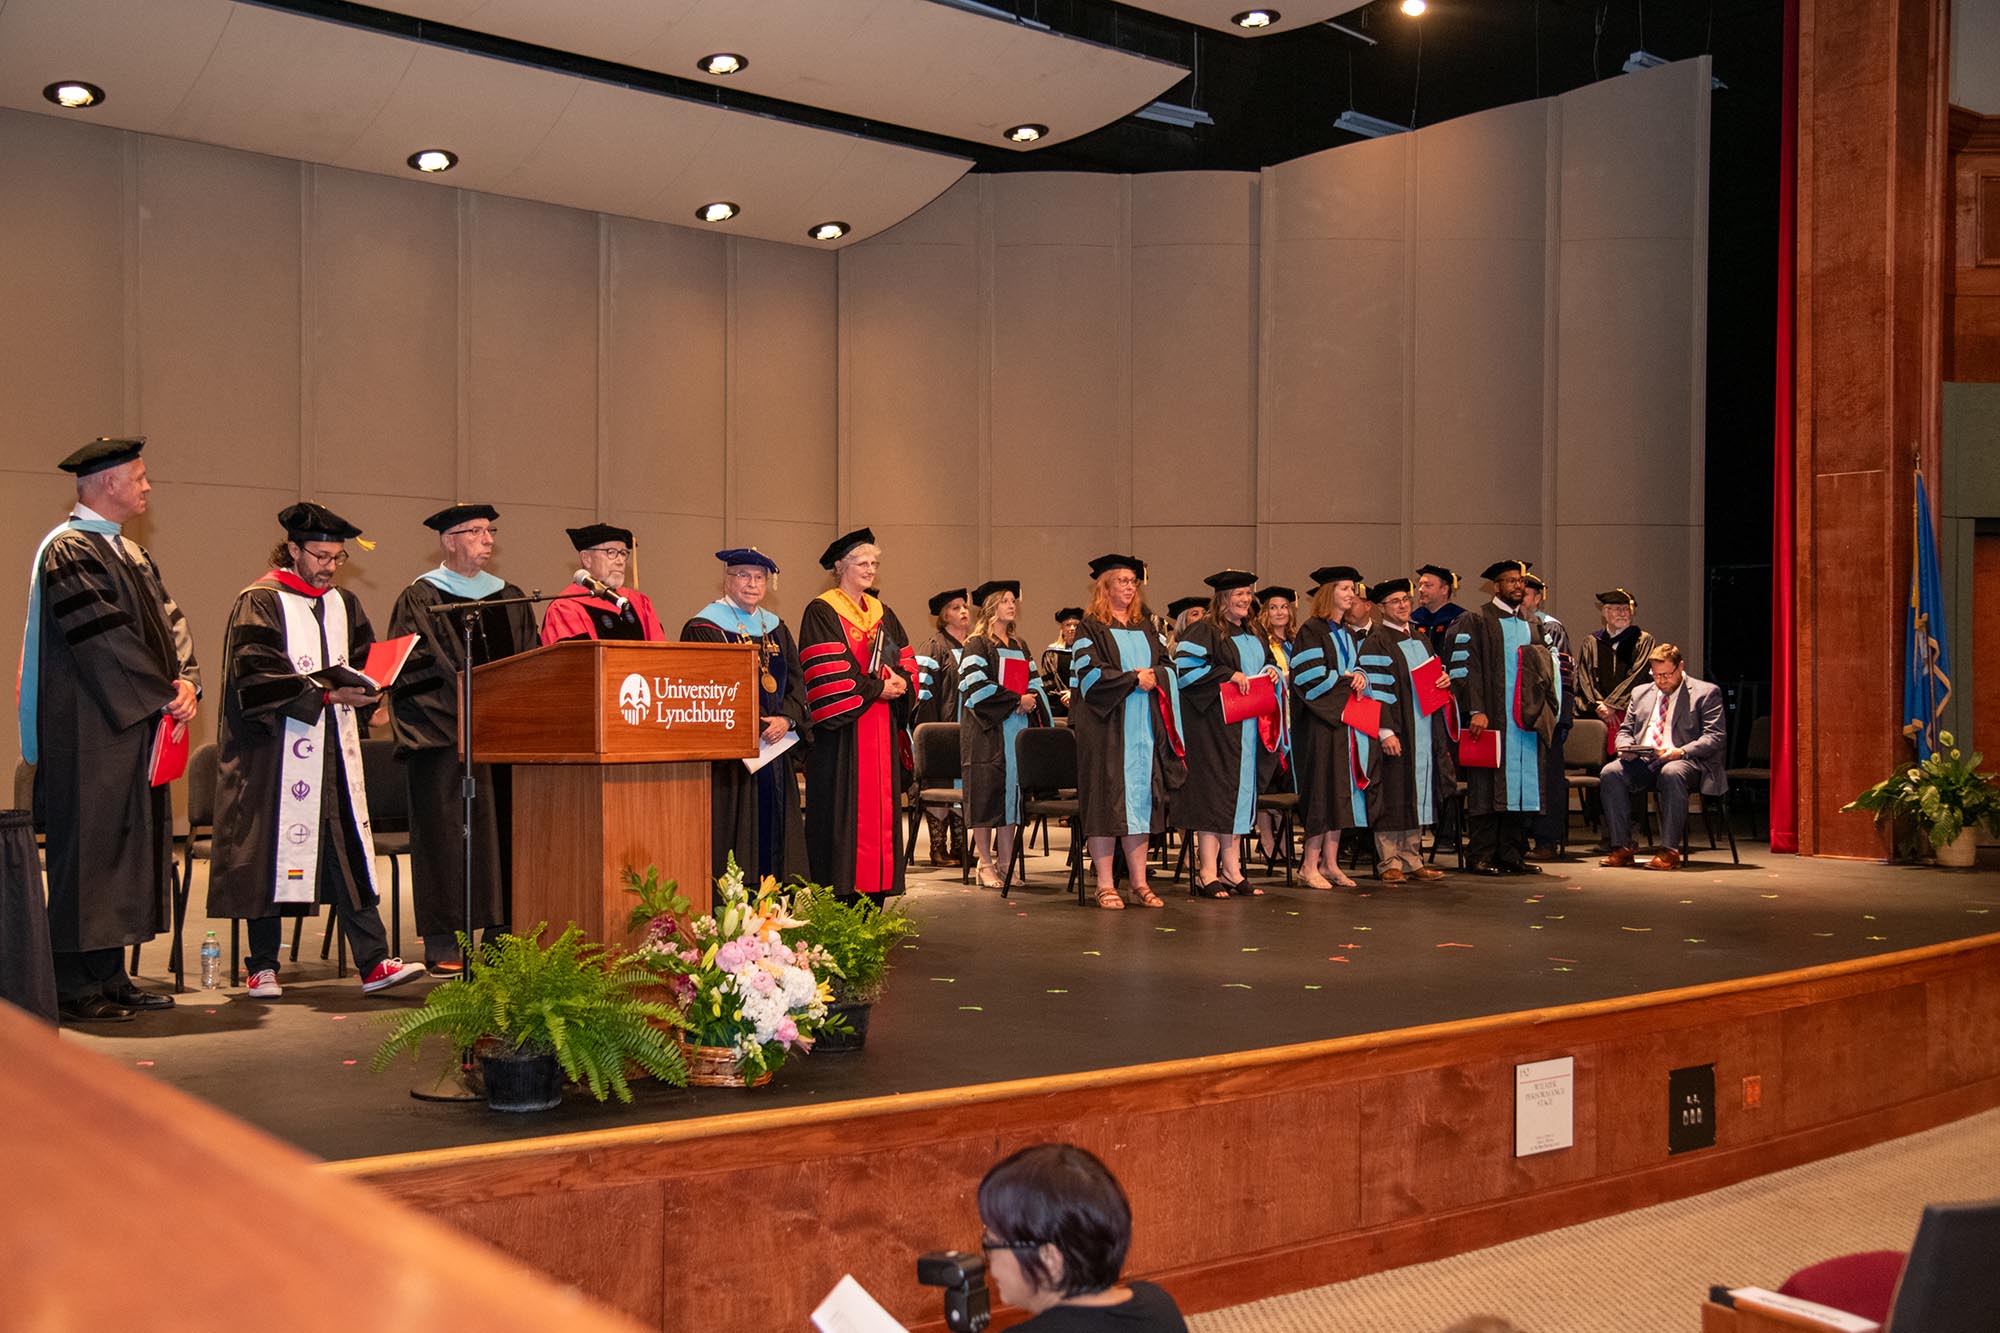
{"x": 1694, "y": 725}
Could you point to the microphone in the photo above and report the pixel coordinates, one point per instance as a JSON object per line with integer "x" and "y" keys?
{"x": 604, "y": 590}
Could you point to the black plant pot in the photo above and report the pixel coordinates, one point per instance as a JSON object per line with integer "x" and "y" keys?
{"x": 521, "y": 1080}
{"x": 841, "y": 1043}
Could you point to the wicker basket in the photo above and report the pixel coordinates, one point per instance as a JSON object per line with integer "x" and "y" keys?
{"x": 715, "y": 1067}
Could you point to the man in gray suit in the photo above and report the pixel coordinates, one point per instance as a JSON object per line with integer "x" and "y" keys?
{"x": 1671, "y": 742}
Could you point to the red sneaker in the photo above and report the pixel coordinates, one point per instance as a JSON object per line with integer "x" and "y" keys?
{"x": 390, "y": 972}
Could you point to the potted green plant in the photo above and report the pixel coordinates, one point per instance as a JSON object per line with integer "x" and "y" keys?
{"x": 1945, "y": 796}
{"x": 856, "y": 936}
{"x": 535, "y": 1015}
{"x": 750, "y": 989}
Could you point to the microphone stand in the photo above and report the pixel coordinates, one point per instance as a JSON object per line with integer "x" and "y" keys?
{"x": 465, "y": 1084}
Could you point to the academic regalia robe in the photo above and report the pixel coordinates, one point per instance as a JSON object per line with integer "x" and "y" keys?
{"x": 1484, "y": 663}
{"x": 1609, "y": 668}
{"x": 938, "y": 698}
{"x": 423, "y": 714}
{"x": 859, "y": 761}
{"x": 756, "y": 815}
{"x": 1405, "y": 791}
{"x": 1434, "y": 627}
{"x": 1055, "y": 674}
{"x": 1277, "y": 769}
{"x": 1326, "y": 752}
{"x": 989, "y": 723}
{"x": 1221, "y": 791}
{"x": 260, "y": 689}
{"x": 112, "y": 645}
{"x": 1126, "y": 763}
{"x": 581, "y": 614}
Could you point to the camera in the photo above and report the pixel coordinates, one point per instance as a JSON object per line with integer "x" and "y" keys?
{"x": 967, "y": 1305}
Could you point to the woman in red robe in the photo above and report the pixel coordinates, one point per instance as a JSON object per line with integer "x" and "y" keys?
{"x": 859, "y": 677}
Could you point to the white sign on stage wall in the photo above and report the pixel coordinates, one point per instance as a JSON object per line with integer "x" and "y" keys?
{"x": 1544, "y": 1106}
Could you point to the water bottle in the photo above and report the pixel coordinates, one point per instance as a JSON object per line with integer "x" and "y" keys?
{"x": 211, "y": 961}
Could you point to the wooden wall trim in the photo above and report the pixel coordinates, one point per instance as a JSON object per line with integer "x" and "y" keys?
{"x": 1251, "y": 1173}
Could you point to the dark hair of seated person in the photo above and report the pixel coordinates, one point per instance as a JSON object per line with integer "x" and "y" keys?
{"x": 1058, "y": 1194}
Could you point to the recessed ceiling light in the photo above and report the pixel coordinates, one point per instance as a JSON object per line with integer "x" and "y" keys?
{"x": 74, "y": 94}
{"x": 1256, "y": 18}
{"x": 1027, "y": 133}
{"x": 829, "y": 231}
{"x": 719, "y": 211}
{"x": 722, "y": 62}
{"x": 433, "y": 160}
{"x": 1414, "y": 7}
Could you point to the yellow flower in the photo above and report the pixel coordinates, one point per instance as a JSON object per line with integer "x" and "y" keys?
{"x": 1945, "y": 737}
{"x": 1954, "y": 754}
{"x": 1916, "y": 775}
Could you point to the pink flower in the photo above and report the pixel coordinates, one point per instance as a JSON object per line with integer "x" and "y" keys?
{"x": 788, "y": 1031}
{"x": 761, "y": 982}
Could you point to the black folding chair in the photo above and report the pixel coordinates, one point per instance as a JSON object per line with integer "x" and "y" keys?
{"x": 1045, "y": 761}
{"x": 203, "y": 765}
{"x": 934, "y": 747}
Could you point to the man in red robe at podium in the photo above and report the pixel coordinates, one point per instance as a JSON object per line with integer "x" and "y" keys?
{"x": 597, "y": 604}
{"x": 859, "y": 674}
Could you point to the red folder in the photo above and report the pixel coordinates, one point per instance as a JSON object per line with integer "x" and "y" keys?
{"x": 1431, "y": 695}
{"x": 170, "y": 751}
{"x": 1479, "y": 751}
{"x": 1014, "y": 674}
{"x": 1262, "y": 701}
{"x": 1364, "y": 714}
{"x": 386, "y": 658}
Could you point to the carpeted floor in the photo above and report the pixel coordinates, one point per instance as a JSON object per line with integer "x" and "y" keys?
{"x": 1651, "y": 1269}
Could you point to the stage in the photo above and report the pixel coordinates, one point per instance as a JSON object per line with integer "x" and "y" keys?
{"x": 1034, "y": 986}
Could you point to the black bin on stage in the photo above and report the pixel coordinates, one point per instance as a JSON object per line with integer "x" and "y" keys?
{"x": 27, "y": 972}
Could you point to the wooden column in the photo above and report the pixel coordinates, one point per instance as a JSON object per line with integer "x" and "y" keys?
{"x": 1972, "y": 324}
{"x": 1871, "y": 230}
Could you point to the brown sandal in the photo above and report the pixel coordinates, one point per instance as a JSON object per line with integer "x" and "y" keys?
{"x": 1109, "y": 900}
{"x": 1146, "y": 897}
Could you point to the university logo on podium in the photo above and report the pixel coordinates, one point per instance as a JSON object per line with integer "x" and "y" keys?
{"x": 635, "y": 699}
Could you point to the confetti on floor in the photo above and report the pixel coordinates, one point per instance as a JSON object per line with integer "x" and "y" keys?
{"x": 1880, "y": 939}
{"x": 1637, "y": 930}
{"x": 1093, "y": 953}
{"x": 338, "y": 1017}
{"x": 1166, "y": 930}
{"x": 143, "y": 1064}
{"x": 1694, "y": 939}
{"x": 1312, "y": 987}
{"x": 1058, "y": 992}
{"x": 1562, "y": 969}
{"x": 1867, "y": 916}
{"x": 1235, "y": 985}
{"x": 970, "y": 1009}
{"x": 1339, "y": 960}
{"x": 1767, "y": 896}
{"x": 1251, "y": 948}
{"x": 946, "y": 980}
{"x": 1554, "y": 917}
{"x": 350, "y": 1062}
{"x": 1453, "y": 944}
{"x": 1554, "y": 959}
{"x": 1822, "y": 934}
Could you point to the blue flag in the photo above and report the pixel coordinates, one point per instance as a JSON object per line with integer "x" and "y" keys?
{"x": 1926, "y": 659}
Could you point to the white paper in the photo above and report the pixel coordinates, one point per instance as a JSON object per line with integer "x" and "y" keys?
{"x": 1822, "y": 1316}
{"x": 769, "y": 750}
{"x": 848, "y": 1308}
{"x": 1544, "y": 1106}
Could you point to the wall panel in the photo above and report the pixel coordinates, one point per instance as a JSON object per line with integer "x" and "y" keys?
{"x": 784, "y": 367}
{"x": 530, "y": 320}
{"x": 218, "y": 312}
{"x": 382, "y": 335}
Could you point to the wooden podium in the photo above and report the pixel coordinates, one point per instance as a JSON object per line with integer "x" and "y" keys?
{"x": 613, "y": 742}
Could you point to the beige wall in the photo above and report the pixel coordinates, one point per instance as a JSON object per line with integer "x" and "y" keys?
{"x": 1480, "y": 340}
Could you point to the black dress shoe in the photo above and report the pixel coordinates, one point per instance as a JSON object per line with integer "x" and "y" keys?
{"x": 93, "y": 1009}
{"x": 131, "y": 997}
{"x": 1518, "y": 868}
{"x": 1486, "y": 868}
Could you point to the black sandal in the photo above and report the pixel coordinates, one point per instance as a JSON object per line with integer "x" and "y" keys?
{"x": 1242, "y": 888}
{"x": 1213, "y": 889}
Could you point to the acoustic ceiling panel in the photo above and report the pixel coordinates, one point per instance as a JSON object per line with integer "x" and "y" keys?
{"x": 271, "y": 82}
{"x": 914, "y": 63}
{"x": 1219, "y": 14}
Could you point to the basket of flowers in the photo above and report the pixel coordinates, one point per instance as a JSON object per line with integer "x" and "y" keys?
{"x": 751, "y": 990}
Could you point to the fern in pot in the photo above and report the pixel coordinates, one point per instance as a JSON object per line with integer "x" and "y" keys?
{"x": 538, "y": 1015}
{"x": 856, "y": 936}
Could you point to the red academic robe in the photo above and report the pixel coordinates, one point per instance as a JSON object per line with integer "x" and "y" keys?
{"x": 583, "y": 616}
{"x": 858, "y": 762}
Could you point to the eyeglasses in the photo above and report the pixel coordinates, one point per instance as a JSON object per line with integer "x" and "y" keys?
{"x": 988, "y": 1244}
{"x": 337, "y": 559}
{"x": 610, "y": 552}
{"x": 493, "y": 531}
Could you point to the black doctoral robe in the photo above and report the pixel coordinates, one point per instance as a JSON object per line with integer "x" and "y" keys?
{"x": 1127, "y": 764}
{"x": 1426, "y": 761}
{"x": 859, "y": 761}
{"x": 1222, "y": 758}
{"x": 937, "y": 698}
{"x": 1609, "y": 668}
{"x": 757, "y": 815}
{"x": 1484, "y": 664}
{"x": 112, "y": 645}
{"x": 1055, "y": 676}
{"x": 989, "y": 722}
{"x": 1323, "y": 746}
{"x": 260, "y": 689}
{"x": 423, "y": 715}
